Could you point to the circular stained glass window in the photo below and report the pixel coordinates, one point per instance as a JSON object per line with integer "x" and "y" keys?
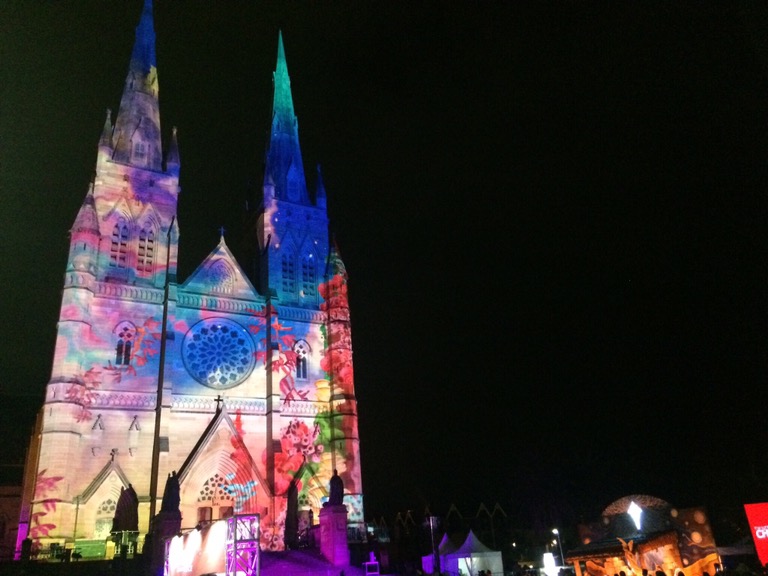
{"x": 218, "y": 353}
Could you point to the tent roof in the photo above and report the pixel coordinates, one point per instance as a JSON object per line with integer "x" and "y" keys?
{"x": 472, "y": 546}
{"x": 446, "y": 546}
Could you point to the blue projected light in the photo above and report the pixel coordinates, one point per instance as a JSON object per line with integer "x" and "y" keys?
{"x": 218, "y": 353}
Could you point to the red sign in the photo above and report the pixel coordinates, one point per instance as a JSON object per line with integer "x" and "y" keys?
{"x": 757, "y": 515}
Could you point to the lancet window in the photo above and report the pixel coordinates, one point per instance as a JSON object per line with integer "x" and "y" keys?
{"x": 146, "y": 253}
{"x": 302, "y": 350}
{"x": 308, "y": 276}
{"x": 119, "y": 248}
{"x": 288, "y": 273}
{"x": 139, "y": 150}
{"x": 126, "y": 332}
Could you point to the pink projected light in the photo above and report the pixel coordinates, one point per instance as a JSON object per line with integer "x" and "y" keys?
{"x": 199, "y": 551}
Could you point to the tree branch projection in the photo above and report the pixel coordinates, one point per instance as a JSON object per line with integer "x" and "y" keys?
{"x": 145, "y": 341}
{"x": 305, "y": 449}
{"x": 144, "y": 348}
{"x": 45, "y": 487}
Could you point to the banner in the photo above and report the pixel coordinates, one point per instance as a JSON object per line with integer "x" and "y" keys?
{"x": 757, "y": 516}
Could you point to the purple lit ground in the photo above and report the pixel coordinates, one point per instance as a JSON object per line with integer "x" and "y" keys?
{"x": 279, "y": 563}
{"x": 203, "y": 551}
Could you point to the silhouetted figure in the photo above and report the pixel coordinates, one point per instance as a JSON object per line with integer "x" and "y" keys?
{"x": 336, "y": 495}
{"x": 171, "y": 494}
{"x": 125, "y": 524}
{"x": 292, "y": 516}
{"x": 26, "y": 549}
{"x": 127, "y": 511}
{"x": 117, "y": 520}
{"x": 166, "y": 524}
{"x": 132, "y": 509}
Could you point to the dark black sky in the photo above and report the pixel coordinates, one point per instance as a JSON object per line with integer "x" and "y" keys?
{"x": 553, "y": 217}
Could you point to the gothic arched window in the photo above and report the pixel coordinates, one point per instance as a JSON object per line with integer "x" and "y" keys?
{"x": 119, "y": 247}
{"x": 308, "y": 276}
{"x": 302, "y": 350}
{"x": 287, "y": 273}
{"x": 146, "y": 253}
{"x": 104, "y": 515}
{"x": 125, "y": 332}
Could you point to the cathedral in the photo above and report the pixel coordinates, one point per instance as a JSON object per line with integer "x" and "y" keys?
{"x": 237, "y": 382}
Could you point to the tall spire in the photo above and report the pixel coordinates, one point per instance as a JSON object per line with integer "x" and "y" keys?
{"x": 282, "y": 105}
{"x": 284, "y": 165}
{"x": 143, "y": 57}
{"x": 136, "y": 136}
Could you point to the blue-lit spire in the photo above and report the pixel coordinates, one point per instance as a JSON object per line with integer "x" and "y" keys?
{"x": 143, "y": 58}
{"x": 284, "y": 165}
{"x": 136, "y": 136}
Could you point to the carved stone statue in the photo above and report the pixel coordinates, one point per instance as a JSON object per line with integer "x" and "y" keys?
{"x": 126, "y": 511}
{"x": 171, "y": 494}
{"x": 336, "y": 495}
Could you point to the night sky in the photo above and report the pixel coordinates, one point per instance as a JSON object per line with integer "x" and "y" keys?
{"x": 553, "y": 217}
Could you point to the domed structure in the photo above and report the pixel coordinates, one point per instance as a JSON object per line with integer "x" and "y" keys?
{"x": 638, "y": 535}
{"x": 621, "y": 505}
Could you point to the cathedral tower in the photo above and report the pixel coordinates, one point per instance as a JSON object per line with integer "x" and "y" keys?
{"x": 255, "y": 392}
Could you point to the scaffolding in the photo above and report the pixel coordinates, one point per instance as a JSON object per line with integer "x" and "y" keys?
{"x": 243, "y": 554}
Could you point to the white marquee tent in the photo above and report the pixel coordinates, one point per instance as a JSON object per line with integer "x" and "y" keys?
{"x": 468, "y": 559}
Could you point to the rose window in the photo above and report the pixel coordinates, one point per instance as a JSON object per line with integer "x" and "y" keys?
{"x": 107, "y": 507}
{"x": 216, "y": 489}
{"x": 218, "y": 353}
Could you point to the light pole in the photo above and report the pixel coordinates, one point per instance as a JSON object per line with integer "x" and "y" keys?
{"x": 435, "y": 551}
{"x": 556, "y": 532}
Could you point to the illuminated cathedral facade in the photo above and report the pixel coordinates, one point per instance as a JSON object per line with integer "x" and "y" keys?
{"x": 240, "y": 385}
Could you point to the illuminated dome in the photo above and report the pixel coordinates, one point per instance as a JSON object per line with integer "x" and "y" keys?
{"x": 621, "y": 506}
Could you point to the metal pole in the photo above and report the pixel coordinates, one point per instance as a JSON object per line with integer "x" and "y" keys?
{"x": 77, "y": 513}
{"x": 435, "y": 551}
{"x": 556, "y": 532}
{"x": 160, "y": 384}
{"x": 271, "y": 403}
{"x": 329, "y": 351}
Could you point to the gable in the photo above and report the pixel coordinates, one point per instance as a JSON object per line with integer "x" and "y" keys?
{"x": 108, "y": 481}
{"x": 221, "y": 451}
{"x": 220, "y": 275}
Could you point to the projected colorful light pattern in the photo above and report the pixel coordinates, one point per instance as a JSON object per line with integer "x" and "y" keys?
{"x": 108, "y": 340}
{"x": 199, "y": 551}
{"x": 305, "y": 446}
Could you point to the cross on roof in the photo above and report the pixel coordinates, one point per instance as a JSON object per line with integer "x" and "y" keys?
{"x": 222, "y": 230}
{"x": 218, "y": 400}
